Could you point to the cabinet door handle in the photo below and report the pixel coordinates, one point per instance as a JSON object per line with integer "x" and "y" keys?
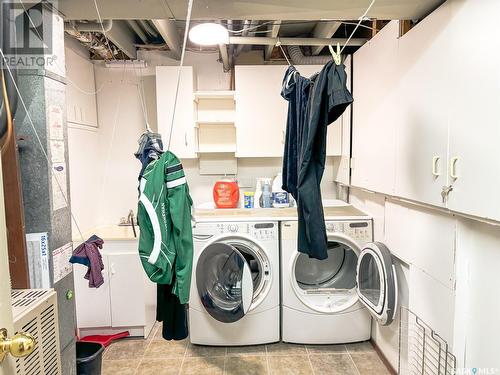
{"x": 283, "y": 136}
{"x": 435, "y": 161}
{"x": 185, "y": 138}
{"x": 113, "y": 271}
{"x": 453, "y": 167}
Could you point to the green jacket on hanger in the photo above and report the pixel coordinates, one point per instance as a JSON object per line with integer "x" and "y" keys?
{"x": 164, "y": 218}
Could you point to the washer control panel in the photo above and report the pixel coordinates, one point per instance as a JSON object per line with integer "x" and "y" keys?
{"x": 264, "y": 231}
{"x": 261, "y": 231}
{"x": 360, "y": 230}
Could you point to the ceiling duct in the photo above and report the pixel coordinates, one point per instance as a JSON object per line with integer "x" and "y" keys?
{"x": 168, "y": 32}
{"x": 298, "y": 57}
{"x": 137, "y": 29}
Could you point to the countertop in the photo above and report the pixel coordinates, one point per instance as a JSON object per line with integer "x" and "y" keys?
{"x": 272, "y": 214}
{"x": 115, "y": 232}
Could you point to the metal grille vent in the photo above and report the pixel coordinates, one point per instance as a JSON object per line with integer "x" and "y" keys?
{"x": 24, "y": 298}
{"x": 421, "y": 350}
{"x": 35, "y": 312}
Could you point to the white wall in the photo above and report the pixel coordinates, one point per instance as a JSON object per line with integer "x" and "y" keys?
{"x": 103, "y": 169}
{"x": 477, "y": 327}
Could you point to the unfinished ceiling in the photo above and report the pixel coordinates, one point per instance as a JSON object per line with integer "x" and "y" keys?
{"x": 306, "y": 27}
{"x": 251, "y": 9}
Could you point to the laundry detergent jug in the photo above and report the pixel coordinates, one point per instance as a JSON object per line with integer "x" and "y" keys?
{"x": 226, "y": 194}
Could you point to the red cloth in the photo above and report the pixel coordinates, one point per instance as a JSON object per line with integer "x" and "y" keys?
{"x": 90, "y": 250}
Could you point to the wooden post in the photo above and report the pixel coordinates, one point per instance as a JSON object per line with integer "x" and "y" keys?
{"x": 404, "y": 27}
{"x": 14, "y": 214}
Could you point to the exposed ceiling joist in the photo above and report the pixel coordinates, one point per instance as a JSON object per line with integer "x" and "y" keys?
{"x": 324, "y": 30}
{"x": 274, "y": 28}
{"x": 267, "y": 41}
{"x": 168, "y": 32}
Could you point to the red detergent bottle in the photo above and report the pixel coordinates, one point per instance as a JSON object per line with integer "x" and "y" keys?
{"x": 226, "y": 193}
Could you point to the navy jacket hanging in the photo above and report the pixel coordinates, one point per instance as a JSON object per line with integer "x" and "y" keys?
{"x": 327, "y": 98}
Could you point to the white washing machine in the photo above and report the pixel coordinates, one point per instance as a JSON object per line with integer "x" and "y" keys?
{"x": 332, "y": 301}
{"x": 235, "y": 286}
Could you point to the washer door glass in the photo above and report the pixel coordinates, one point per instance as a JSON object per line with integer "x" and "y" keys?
{"x": 224, "y": 282}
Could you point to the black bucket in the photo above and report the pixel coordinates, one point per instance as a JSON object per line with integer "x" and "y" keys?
{"x": 88, "y": 358}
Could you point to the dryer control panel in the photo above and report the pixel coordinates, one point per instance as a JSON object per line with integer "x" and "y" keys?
{"x": 361, "y": 230}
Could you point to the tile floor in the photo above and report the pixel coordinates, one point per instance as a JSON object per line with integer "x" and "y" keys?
{"x": 159, "y": 357}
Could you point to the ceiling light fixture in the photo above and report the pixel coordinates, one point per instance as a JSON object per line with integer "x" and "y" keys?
{"x": 209, "y": 34}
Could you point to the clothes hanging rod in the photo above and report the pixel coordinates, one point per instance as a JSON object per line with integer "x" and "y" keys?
{"x": 268, "y": 41}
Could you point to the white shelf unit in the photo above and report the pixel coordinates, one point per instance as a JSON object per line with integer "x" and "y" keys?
{"x": 219, "y": 138}
{"x": 199, "y": 95}
{"x": 215, "y": 113}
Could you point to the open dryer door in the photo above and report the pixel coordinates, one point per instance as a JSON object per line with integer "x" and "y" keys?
{"x": 377, "y": 282}
{"x": 224, "y": 282}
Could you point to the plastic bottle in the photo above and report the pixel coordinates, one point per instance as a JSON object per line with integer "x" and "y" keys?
{"x": 266, "y": 198}
{"x": 258, "y": 193}
{"x": 280, "y": 196}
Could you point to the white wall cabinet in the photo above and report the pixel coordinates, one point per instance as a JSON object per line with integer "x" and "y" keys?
{"x": 422, "y": 109}
{"x": 374, "y": 125}
{"x": 474, "y": 165}
{"x": 81, "y": 107}
{"x": 126, "y": 300}
{"x": 183, "y": 142}
{"x": 426, "y": 116}
{"x": 261, "y": 112}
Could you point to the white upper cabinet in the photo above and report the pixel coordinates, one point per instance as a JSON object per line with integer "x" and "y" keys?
{"x": 422, "y": 108}
{"x": 261, "y": 112}
{"x": 374, "y": 125}
{"x": 183, "y": 142}
{"x": 426, "y": 110}
{"x": 81, "y": 105}
{"x": 474, "y": 165}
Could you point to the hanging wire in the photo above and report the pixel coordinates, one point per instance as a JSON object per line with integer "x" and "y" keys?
{"x": 186, "y": 31}
{"x": 104, "y": 31}
{"x": 361, "y": 19}
{"x": 283, "y": 51}
{"x": 141, "y": 94}
{"x": 146, "y": 117}
{"x": 251, "y": 27}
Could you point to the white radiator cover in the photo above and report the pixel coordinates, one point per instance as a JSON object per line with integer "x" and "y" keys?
{"x": 35, "y": 312}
